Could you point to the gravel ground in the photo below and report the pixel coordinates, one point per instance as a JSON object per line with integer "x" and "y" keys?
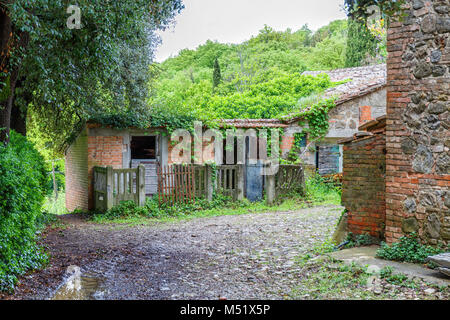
{"x": 234, "y": 257}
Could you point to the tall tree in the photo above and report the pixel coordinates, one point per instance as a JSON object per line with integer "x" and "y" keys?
{"x": 67, "y": 75}
{"x": 361, "y": 44}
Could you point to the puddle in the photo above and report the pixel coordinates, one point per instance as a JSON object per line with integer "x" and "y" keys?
{"x": 79, "y": 286}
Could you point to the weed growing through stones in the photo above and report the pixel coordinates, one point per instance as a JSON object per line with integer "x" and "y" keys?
{"x": 408, "y": 249}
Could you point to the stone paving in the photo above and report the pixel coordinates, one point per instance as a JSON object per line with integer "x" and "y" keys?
{"x": 248, "y": 256}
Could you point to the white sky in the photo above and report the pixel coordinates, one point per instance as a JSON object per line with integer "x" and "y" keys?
{"x": 234, "y": 21}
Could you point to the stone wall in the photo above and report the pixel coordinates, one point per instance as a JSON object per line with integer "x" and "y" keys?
{"x": 363, "y": 191}
{"x": 418, "y": 138}
{"x": 346, "y": 118}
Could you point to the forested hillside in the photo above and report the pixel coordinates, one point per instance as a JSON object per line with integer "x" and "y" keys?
{"x": 260, "y": 78}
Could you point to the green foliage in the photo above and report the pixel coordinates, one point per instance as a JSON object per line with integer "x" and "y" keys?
{"x": 408, "y": 249}
{"x": 361, "y": 44}
{"x": 22, "y": 189}
{"x": 359, "y": 240}
{"x": 55, "y": 206}
{"x": 398, "y": 279}
{"x": 72, "y": 75}
{"x": 152, "y": 208}
{"x": 317, "y": 117}
{"x": 322, "y": 190}
{"x": 260, "y": 78}
{"x": 362, "y": 9}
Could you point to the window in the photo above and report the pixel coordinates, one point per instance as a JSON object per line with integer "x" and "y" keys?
{"x": 143, "y": 147}
{"x": 300, "y": 140}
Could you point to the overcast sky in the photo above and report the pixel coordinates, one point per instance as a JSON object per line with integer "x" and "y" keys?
{"x": 234, "y": 21}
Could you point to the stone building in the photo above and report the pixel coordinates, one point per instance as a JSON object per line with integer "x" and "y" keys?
{"x": 359, "y": 99}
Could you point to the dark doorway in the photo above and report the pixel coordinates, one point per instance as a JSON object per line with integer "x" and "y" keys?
{"x": 143, "y": 148}
{"x": 144, "y": 151}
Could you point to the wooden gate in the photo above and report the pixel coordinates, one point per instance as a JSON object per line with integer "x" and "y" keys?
{"x": 176, "y": 183}
{"x": 112, "y": 186}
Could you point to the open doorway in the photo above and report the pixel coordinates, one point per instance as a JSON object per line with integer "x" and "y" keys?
{"x": 144, "y": 151}
{"x": 143, "y": 148}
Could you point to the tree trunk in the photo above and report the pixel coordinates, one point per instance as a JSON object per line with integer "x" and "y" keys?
{"x": 5, "y": 93}
{"x": 7, "y": 75}
{"x": 18, "y": 115}
{"x": 18, "y": 119}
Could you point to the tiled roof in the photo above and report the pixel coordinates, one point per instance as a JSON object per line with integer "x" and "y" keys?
{"x": 364, "y": 80}
{"x": 367, "y": 130}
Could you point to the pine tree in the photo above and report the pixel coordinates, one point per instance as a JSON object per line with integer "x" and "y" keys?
{"x": 360, "y": 44}
{"x": 217, "y": 77}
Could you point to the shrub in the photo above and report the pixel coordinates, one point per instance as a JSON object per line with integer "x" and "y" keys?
{"x": 360, "y": 240}
{"x": 22, "y": 189}
{"x": 320, "y": 189}
{"x": 152, "y": 208}
{"x": 408, "y": 249}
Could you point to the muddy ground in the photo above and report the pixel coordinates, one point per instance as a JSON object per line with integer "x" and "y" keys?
{"x": 234, "y": 257}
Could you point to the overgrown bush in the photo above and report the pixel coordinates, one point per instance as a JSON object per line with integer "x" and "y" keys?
{"x": 22, "y": 189}
{"x": 320, "y": 189}
{"x": 408, "y": 249}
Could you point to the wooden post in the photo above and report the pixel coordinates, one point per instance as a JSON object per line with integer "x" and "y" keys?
{"x": 270, "y": 188}
{"x": 109, "y": 188}
{"x": 240, "y": 182}
{"x": 55, "y": 185}
{"x": 140, "y": 185}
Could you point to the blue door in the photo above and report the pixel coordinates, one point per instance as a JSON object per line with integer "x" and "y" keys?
{"x": 254, "y": 182}
{"x": 254, "y": 179}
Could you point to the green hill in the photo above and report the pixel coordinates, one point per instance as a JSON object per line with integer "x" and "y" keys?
{"x": 260, "y": 78}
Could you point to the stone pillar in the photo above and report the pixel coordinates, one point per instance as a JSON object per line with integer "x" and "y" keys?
{"x": 270, "y": 188}
{"x": 240, "y": 182}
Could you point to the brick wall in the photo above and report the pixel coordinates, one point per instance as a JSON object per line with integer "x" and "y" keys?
{"x": 418, "y": 138}
{"x": 363, "y": 192}
{"x": 77, "y": 174}
{"x": 287, "y": 142}
{"x": 86, "y": 152}
{"x": 365, "y": 114}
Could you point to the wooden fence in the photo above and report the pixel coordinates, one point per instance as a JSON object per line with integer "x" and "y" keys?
{"x": 184, "y": 183}
{"x": 111, "y": 186}
{"x": 289, "y": 179}
{"x": 230, "y": 181}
